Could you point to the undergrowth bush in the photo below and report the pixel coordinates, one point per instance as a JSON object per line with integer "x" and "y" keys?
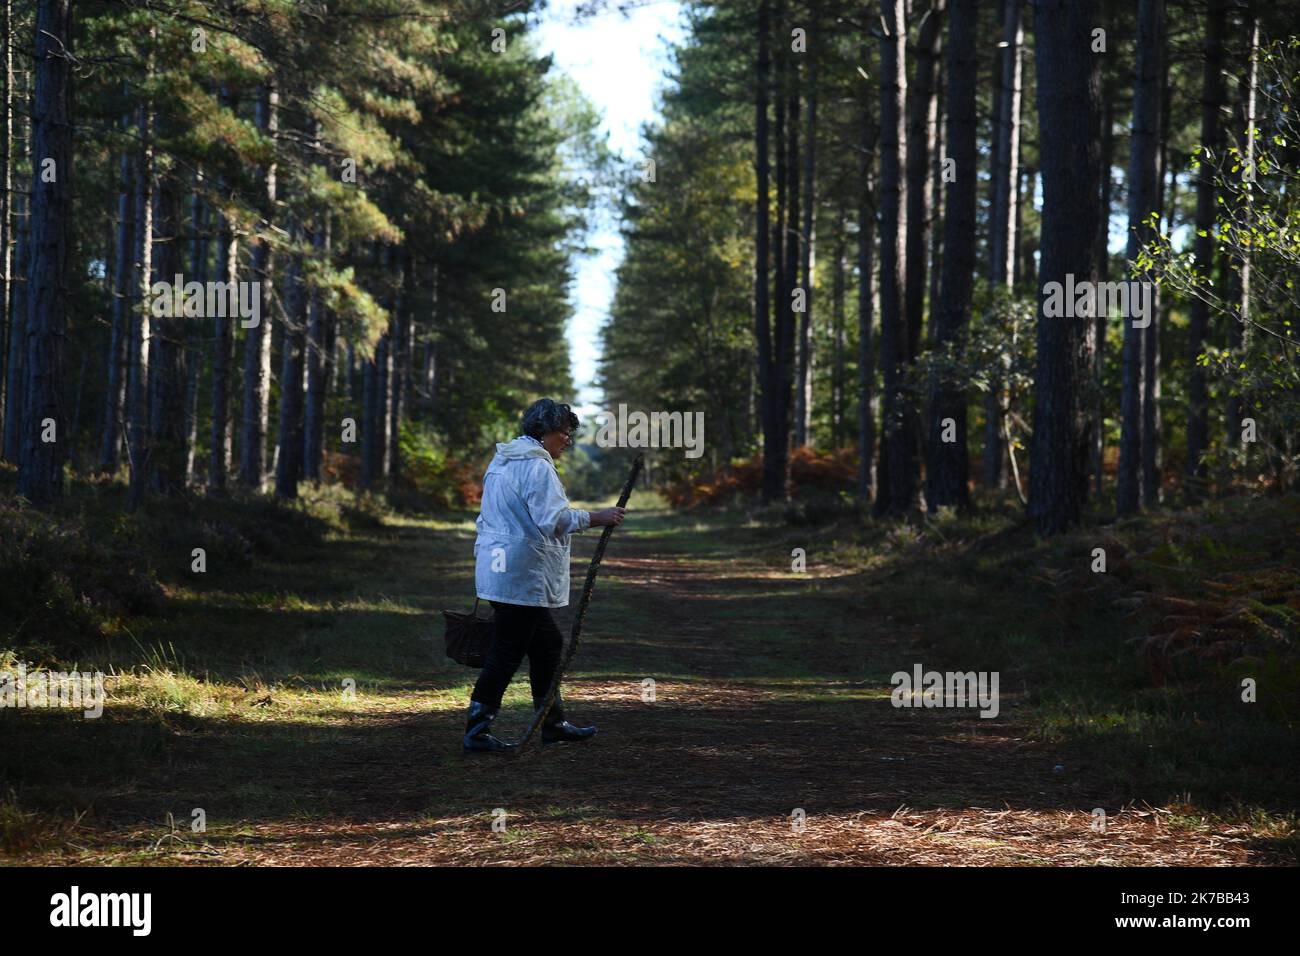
{"x": 432, "y": 478}
{"x": 821, "y": 478}
{"x": 60, "y": 579}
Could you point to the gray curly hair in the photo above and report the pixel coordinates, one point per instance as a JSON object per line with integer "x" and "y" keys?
{"x": 546, "y": 415}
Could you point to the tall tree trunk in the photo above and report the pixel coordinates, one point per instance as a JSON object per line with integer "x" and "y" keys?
{"x": 934, "y": 212}
{"x": 1006, "y": 148}
{"x": 333, "y": 346}
{"x": 223, "y": 341}
{"x": 40, "y": 463}
{"x": 897, "y": 488}
{"x": 376, "y": 410}
{"x": 776, "y": 406}
{"x": 782, "y": 205}
{"x": 14, "y": 384}
{"x": 947, "y": 464}
{"x": 1238, "y": 327}
{"x": 320, "y": 358}
{"x": 7, "y": 326}
{"x": 1004, "y": 221}
{"x": 257, "y": 343}
{"x": 1026, "y": 244}
{"x": 14, "y": 380}
{"x": 804, "y": 378}
{"x": 922, "y": 127}
{"x": 193, "y": 372}
{"x": 139, "y": 349}
{"x": 384, "y": 404}
{"x": 166, "y": 447}
{"x": 429, "y": 376}
{"x": 764, "y": 232}
{"x": 1212, "y": 98}
{"x": 786, "y": 359}
{"x": 289, "y": 432}
{"x": 400, "y": 378}
{"x": 223, "y": 346}
{"x": 1144, "y": 198}
{"x": 1102, "y": 322}
{"x": 868, "y": 401}
{"x": 369, "y": 439}
{"x": 110, "y": 447}
{"x": 837, "y": 326}
{"x": 378, "y": 400}
{"x": 866, "y": 357}
{"x": 1152, "y": 459}
{"x": 1248, "y": 149}
{"x": 429, "y": 369}
{"x": 195, "y": 341}
{"x": 1067, "y": 73}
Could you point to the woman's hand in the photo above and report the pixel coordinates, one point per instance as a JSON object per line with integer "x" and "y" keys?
{"x": 607, "y": 516}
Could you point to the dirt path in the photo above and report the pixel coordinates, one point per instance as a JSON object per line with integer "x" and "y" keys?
{"x": 771, "y": 702}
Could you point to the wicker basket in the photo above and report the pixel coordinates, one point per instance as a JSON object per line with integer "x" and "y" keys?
{"x": 468, "y": 636}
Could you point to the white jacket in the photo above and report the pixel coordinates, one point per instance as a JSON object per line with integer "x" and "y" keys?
{"x": 521, "y": 555}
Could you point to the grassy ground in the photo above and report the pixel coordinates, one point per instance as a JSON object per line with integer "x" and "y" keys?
{"x": 769, "y": 736}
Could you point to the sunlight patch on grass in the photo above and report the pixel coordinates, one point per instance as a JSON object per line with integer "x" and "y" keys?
{"x": 379, "y": 603}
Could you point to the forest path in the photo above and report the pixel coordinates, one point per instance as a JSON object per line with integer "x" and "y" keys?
{"x": 771, "y": 696}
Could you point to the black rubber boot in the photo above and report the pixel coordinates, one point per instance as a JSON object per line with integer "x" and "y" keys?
{"x": 476, "y": 730}
{"x": 558, "y": 730}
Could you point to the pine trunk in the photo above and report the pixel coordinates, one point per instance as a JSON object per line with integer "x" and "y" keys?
{"x": 1102, "y": 322}
{"x": 1144, "y": 198}
{"x": 223, "y": 347}
{"x": 257, "y": 343}
{"x": 1238, "y": 329}
{"x": 1198, "y": 393}
{"x": 319, "y": 357}
{"x": 17, "y": 349}
{"x": 947, "y": 464}
{"x": 40, "y": 462}
{"x": 7, "y": 325}
{"x": 776, "y": 438}
{"x": 110, "y": 447}
{"x": 398, "y": 382}
{"x": 290, "y": 430}
{"x": 166, "y": 445}
{"x": 195, "y": 342}
{"x": 897, "y": 486}
{"x": 1005, "y": 221}
{"x": 804, "y": 377}
{"x": 786, "y": 357}
{"x": 838, "y": 281}
{"x": 1067, "y": 73}
{"x": 866, "y": 356}
{"x": 922, "y": 133}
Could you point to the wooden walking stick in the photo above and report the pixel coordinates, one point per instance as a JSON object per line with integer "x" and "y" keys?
{"x": 583, "y": 601}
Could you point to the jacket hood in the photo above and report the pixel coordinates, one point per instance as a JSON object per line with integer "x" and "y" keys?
{"x": 522, "y": 447}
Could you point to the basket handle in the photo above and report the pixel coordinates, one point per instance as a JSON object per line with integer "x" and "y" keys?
{"x": 474, "y": 610}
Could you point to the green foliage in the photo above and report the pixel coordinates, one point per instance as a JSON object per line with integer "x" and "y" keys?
{"x": 591, "y": 473}
{"x": 996, "y": 352}
{"x": 61, "y": 581}
{"x": 1257, "y": 222}
{"x": 437, "y": 479}
{"x": 422, "y": 152}
{"x": 680, "y": 333}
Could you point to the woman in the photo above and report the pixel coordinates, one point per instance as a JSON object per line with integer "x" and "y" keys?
{"x": 522, "y": 567}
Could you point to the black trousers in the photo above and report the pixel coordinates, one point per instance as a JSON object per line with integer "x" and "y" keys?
{"x": 521, "y": 631}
